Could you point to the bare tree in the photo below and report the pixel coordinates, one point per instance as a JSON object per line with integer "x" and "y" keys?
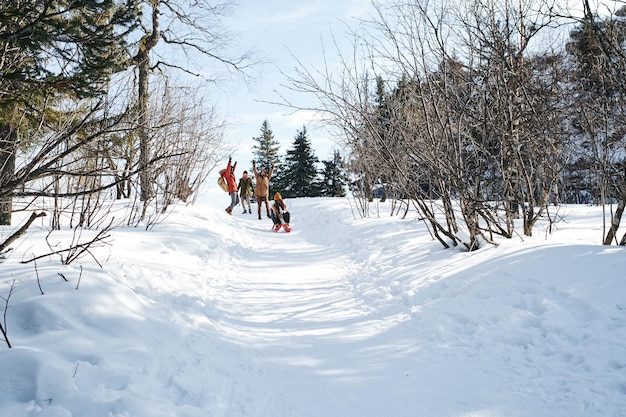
{"x": 471, "y": 129}
{"x": 192, "y": 27}
{"x": 188, "y": 138}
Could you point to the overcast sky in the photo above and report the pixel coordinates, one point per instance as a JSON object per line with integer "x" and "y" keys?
{"x": 278, "y": 29}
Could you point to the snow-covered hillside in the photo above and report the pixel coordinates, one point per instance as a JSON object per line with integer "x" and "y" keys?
{"x": 212, "y": 315}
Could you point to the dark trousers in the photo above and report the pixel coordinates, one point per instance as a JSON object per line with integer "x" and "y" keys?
{"x": 234, "y": 200}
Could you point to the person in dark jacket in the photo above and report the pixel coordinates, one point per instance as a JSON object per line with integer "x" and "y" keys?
{"x": 231, "y": 181}
{"x": 245, "y": 188}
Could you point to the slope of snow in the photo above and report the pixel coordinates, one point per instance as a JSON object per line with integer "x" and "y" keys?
{"x": 212, "y": 315}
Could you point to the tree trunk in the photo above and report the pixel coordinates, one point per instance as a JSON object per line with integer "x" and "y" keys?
{"x": 142, "y": 60}
{"x": 8, "y": 142}
{"x": 144, "y": 130}
{"x": 615, "y": 221}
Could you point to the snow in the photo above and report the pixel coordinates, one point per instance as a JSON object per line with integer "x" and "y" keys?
{"x": 211, "y": 315}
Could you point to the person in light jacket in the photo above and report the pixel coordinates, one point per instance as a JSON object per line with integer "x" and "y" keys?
{"x": 262, "y": 189}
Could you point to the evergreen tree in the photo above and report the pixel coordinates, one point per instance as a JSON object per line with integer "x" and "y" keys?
{"x": 334, "y": 181}
{"x": 53, "y": 51}
{"x": 597, "y": 46}
{"x": 298, "y": 178}
{"x": 62, "y": 47}
{"x": 267, "y": 147}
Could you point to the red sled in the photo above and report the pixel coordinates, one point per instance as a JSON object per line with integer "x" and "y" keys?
{"x": 285, "y": 227}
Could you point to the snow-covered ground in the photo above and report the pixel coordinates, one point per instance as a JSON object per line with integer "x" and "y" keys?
{"x": 212, "y": 315}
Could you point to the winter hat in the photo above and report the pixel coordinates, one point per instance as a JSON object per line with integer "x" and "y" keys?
{"x": 277, "y": 196}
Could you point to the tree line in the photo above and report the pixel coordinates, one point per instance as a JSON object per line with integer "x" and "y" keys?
{"x": 481, "y": 114}
{"x": 485, "y": 116}
{"x": 296, "y": 173}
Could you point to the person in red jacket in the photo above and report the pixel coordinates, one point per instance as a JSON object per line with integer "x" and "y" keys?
{"x": 231, "y": 181}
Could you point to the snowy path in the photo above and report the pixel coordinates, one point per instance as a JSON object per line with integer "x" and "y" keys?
{"x": 288, "y": 307}
{"x": 324, "y": 328}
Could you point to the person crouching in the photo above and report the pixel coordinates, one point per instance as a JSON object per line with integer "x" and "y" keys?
{"x": 280, "y": 215}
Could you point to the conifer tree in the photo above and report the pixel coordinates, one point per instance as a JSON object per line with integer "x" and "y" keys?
{"x": 599, "y": 52}
{"x": 267, "y": 147}
{"x": 298, "y": 178}
{"x": 52, "y": 51}
{"x": 334, "y": 181}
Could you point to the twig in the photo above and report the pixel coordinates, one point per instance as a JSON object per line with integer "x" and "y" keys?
{"x": 3, "y": 325}
{"x": 38, "y": 281}
{"x": 79, "y": 276}
{"x": 77, "y": 250}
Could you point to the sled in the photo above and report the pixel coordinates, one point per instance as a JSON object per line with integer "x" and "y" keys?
{"x": 279, "y": 226}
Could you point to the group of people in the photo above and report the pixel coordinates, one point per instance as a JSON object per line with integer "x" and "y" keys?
{"x": 242, "y": 192}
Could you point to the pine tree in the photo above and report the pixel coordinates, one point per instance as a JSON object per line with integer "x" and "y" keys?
{"x": 266, "y": 150}
{"x": 53, "y": 51}
{"x": 298, "y": 179}
{"x": 334, "y": 181}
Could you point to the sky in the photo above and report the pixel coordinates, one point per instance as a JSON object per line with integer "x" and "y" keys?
{"x": 283, "y": 32}
{"x": 206, "y": 314}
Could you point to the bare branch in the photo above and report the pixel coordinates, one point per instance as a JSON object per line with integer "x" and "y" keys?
{"x": 21, "y": 230}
